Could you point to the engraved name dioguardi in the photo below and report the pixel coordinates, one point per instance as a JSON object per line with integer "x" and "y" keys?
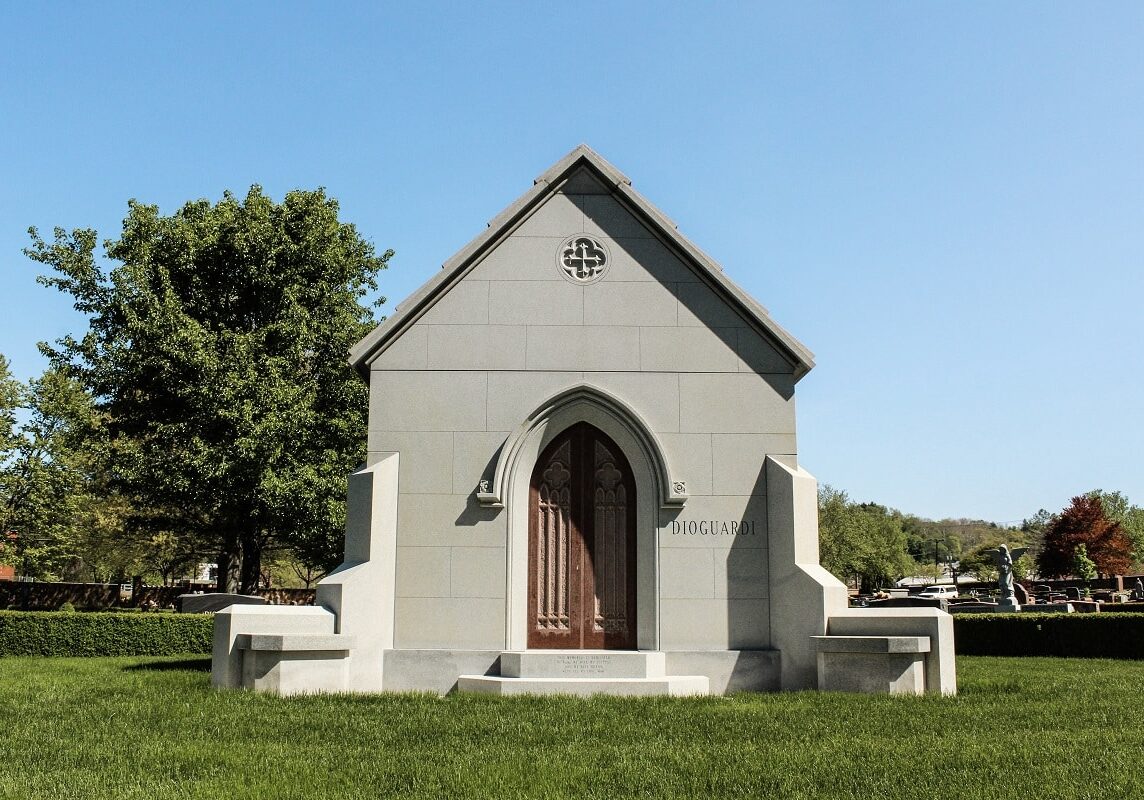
{"x": 713, "y": 527}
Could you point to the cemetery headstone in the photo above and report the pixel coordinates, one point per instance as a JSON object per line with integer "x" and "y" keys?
{"x": 211, "y": 602}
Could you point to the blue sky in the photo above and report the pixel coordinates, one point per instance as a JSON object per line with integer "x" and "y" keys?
{"x": 943, "y": 201}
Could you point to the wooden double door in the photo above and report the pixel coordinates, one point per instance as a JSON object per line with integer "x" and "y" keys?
{"x": 582, "y": 545}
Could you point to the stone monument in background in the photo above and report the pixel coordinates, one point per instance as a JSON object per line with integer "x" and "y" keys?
{"x": 1003, "y": 559}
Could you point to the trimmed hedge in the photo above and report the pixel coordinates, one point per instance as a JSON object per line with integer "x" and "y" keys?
{"x": 52, "y": 633}
{"x": 1069, "y": 635}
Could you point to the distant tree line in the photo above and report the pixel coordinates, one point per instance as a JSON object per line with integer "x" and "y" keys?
{"x": 208, "y": 413}
{"x": 869, "y": 546}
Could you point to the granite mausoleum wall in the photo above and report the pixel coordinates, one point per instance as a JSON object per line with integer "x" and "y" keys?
{"x": 514, "y": 332}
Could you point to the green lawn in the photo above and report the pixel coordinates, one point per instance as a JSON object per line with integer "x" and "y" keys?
{"x": 152, "y": 728}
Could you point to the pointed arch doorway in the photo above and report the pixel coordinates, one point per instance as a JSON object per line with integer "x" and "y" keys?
{"x": 582, "y": 544}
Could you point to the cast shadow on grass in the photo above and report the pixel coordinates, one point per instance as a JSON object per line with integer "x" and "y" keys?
{"x": 185, "y": 664}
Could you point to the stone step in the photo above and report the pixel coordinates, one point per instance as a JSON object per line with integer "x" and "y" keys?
{"x": 676, "y": 686}
{"x": 589, "y": 664}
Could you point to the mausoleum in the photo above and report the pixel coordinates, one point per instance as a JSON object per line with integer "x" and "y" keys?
{"x": 583, "y": 477}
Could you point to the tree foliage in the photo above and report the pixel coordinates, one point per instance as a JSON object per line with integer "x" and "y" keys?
{"x": 981, "y": 563}
{"x": 1084, "y": 523}
{"x": 1083, "y": 566}
{"x": 1130, "y": 517}
{"x": 860, "y": 542}
{"x": 216, "y": 353}
{"x": 43, "y": 470}
{"x": 1033, "y": 529}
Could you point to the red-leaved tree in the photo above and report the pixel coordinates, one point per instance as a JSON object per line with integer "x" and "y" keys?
{"x": 1084, "y": 522}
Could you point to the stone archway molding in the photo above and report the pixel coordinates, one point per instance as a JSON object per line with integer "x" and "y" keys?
{"x": 671, "y": 490}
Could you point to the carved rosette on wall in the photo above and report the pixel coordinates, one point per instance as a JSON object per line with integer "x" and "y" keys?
{"x": 582, "y": 259}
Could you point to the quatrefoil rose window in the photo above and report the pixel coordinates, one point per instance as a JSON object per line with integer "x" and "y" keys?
{"x": 582, "y": 259}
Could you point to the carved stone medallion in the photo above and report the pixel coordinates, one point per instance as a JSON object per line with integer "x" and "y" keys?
{"x": 582, "y": 258}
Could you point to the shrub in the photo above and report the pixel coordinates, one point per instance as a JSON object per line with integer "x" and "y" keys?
{"x": 1070, "y": 635}
{"x": 60, "y": 633}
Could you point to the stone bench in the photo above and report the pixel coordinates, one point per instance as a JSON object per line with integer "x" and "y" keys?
{"x": 872, "y": 664}
{"x": 294, "y": 663}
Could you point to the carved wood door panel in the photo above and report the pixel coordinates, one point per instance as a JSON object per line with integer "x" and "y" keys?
{"x": 581, "y": 548}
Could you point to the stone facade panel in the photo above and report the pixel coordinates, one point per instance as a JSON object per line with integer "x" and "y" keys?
{"x": 686, "y": 573}
{"x": 643, "y": 303}
{"x": 514, "y": 395}
{"x": 737, "y": 460}
{"x": 411, "y": 351}
{"x": 688, "y": 350}
{"x": 426, "y": 458}
{"x": 646, "y": 260}
{"x": 467, "y": 303}
{"x": 474, "y": 458}
{"x": 537, "y": 302}
{"x": 655, "y": 395}
{"x": 749, "y": 623}
{"x": 448, "y": 520}
{"x": 428, "y": 401}
{"x": 756, "y": 354}
{"x": 476, "y": 347}
{"x": 604, "y": 215}
{"x": 733, "y": 403}
{"x": 449, "y": 623}
{"x": 689, "y": 455}
{"x": 520, "y": 258}
{"x": 741, "y": 573}
{"x": 560, "y": 216}
{"x": 589, "y": 347}
{"x": 693, "y": 624}
{"x": 422, "y": 572}
{"x": 478, "y": 572}
{"x": 700, "y": 306}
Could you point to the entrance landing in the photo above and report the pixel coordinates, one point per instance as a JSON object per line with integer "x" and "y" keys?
{"x": 584, "y": 673}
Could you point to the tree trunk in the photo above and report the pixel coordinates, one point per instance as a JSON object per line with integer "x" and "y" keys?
{"x": 227, "y": 579}
{"x": 251, "y": 564}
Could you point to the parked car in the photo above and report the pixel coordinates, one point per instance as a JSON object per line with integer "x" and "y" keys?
{"x": 939, "y": 593}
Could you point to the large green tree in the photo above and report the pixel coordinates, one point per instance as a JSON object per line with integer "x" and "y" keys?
{"x": 216, "y": 353}
{"x": 44, "y": 472}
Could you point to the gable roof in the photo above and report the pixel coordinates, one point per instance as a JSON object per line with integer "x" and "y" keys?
{"x": 501, "y": 226}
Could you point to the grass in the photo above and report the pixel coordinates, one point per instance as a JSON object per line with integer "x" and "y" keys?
{"x": 152, "y": 728}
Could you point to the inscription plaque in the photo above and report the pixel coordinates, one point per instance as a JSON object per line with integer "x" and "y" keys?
{"x": 714, "y": 527}
{"x": 582, "y": 665}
